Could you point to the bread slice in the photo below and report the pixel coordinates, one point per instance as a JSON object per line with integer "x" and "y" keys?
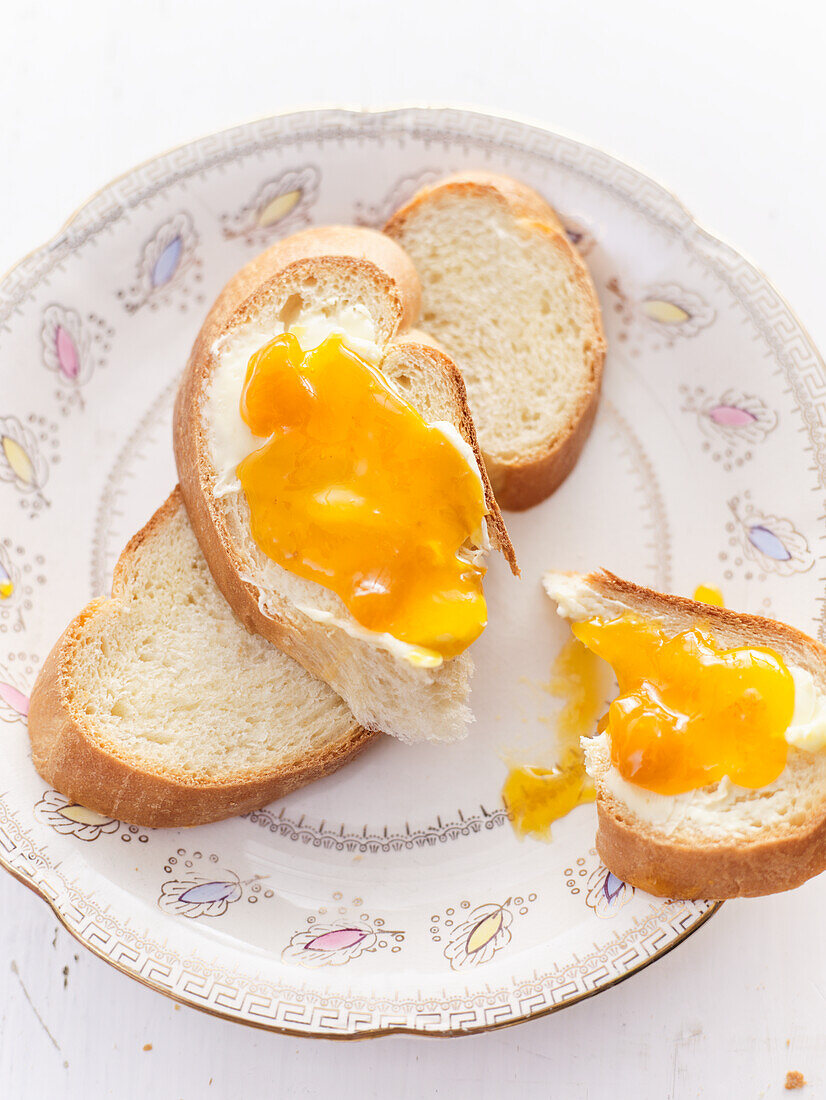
{"x": 723, "y": 841}
{"x": 157, "y": 707}
{"x": 321, "y": 271}
{"x": 509, "y": 298}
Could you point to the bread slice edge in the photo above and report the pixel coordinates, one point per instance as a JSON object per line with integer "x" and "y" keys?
{"x": 644, "y": 856}
{"x": 68, "y": 757}
{"x": 521, "y": 484}
{"x": 323, "y": 649}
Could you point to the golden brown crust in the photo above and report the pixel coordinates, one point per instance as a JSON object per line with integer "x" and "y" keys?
{"x": 426, "y": 346}
{"x": 315, "y": 651}
{"x": 743, "y": 868}
{"x": 346, "y": 242}
{"x": 521, "y": 483}
{"x": 722, "y": 619}
{"x": 69, "y": 756}
{"x": 522, "y": 200}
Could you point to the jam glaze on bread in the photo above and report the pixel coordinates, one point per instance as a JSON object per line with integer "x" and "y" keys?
{"x": 322, "y": 269}
{"x": 722, "y": 841}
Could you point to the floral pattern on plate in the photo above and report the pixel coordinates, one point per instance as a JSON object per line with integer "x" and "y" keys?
{"x": 23, "y": 458}
{"x": 280, "y": 206}
{"x": 773, "y": 543}
{"x": 482, "y": 932}
{"x": 656, "y": 315}
{"x": 70, "y": 819}
{"x": 18, "y": 583}
{"x": 687, "y": 314}
{"x": 73, "y": 350}
{"x": 733, "y": 421}
{"x": 168, "y": 268}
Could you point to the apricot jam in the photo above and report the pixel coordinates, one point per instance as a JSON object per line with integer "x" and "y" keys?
{"x": 688, "y": 711}
{"x": 707, "y": 593}
{"x": 536, "y": 797}
{"x": 354, "y": 490}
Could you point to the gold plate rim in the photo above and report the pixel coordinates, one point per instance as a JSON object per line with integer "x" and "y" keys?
{"x": 358, "y": 112}
{"x": 354, "y": 1036}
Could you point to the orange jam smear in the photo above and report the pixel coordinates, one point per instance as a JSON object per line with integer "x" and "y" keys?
{"x": 354, "y": 490}
{"x": 707, "y": 593}
{"x": 688, "y": 712}
{"x": 536, "y": 797}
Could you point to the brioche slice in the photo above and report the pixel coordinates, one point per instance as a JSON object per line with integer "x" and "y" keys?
{"x": 157, "y": 707}
{"x": 723, "y": 841}
{"x": 509, "y": 298}
{"x": 326, "y": 276}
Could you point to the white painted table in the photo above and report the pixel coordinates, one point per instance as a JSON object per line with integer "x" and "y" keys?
{"x": 721, "y": 100}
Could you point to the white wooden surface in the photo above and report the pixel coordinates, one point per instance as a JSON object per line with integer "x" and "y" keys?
{"x": 721, "y": 100}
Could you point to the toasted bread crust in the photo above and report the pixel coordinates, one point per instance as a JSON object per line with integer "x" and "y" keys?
{"x": 350, "y": 244}
{"x": 720, "y": 871}
{"x": 312, "y": 644}
{"x": 521, "y": 483}
{"x": 426, "y": 346}
{"x": 635, "y": 853}
{"x": 68, "y": 756}
{"x": 749, "y": 627}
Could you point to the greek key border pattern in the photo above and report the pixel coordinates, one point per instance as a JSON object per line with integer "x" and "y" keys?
{"x": 209, "y": 986}
{"x": 204, "y": 984}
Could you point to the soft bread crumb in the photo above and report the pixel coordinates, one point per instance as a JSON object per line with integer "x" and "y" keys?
{"x": 157, "y": 707}
{"x": 504, "y": 291}
{"x": 173, "y": 681}
{"x": 703, "y": 816}
{"x": 722, "y": 841}
{"x": 383, "y": 692}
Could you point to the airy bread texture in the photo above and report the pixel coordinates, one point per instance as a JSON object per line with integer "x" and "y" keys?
{"x": 509, "y": 298}
{"x": 157, "y": 707}
{"x": 722, "y": 841}
{"x": 323, "y": 271}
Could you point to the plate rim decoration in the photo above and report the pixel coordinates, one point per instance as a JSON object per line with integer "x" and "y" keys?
{"x": 18, "y": 854}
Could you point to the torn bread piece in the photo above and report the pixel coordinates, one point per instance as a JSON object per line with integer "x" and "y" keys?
{"x": 509, "y": 298}
{"x": 722, "y": 839}
{"x": 158, "y": 708}
{"x": 358, "y": 286}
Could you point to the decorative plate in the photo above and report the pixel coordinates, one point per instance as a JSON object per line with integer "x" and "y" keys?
{"x": 393, "y": 896}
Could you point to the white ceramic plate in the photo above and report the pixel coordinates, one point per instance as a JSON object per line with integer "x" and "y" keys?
{"x": 392, "y": 896}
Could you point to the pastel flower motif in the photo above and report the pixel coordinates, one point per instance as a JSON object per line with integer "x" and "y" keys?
{"x": 70, "y": 819}
{"x": 280, "y": 206}
{"x": 17, "y": 581}
{"x": 165, "y": 259}
{"x": 200, "y": 897}
{"x": 14, "y": 701}
{"x": 734, "y": 419}
{"x": 21, "y": 463}
{"x": 739, "y": 415}
{"x": 674, "y": 311}
{"x": 66, "y": 345}
{"x": 73, "y": 349}
{"x": 9, "y": 577}
{"x": 375, "y": 215}
{"x": 772, "y": 542}
{"x": 330, "y": 945}
{"x": 606, "y": 893}
{"x": 476, "y": 940}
